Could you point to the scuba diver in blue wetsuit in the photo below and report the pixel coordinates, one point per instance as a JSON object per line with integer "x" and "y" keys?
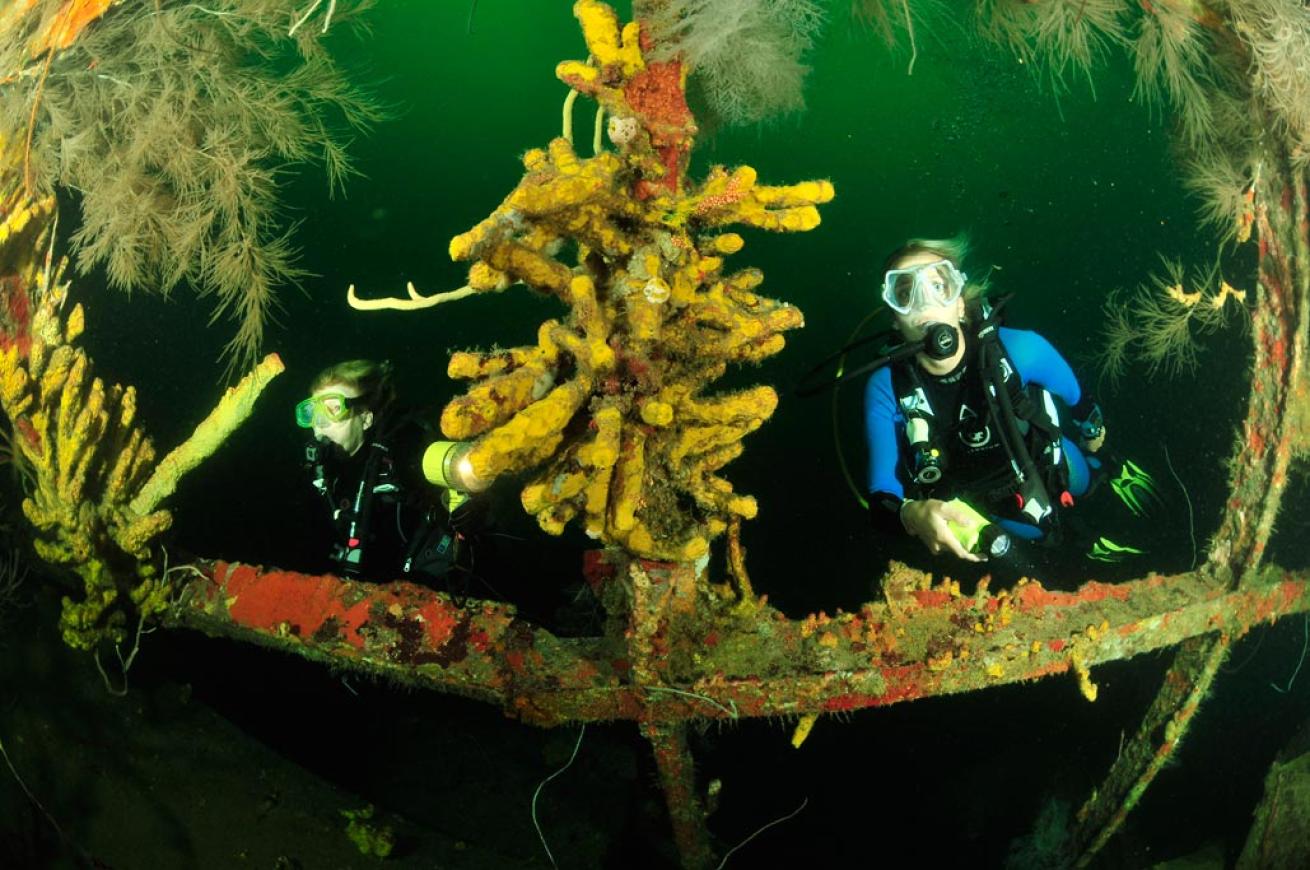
{"x": 969, "y": 422}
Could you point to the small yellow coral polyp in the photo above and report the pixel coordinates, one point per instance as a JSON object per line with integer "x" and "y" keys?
{"x": 802, "y": 731}
{"x": 1226, "y": 291}
{"x": 75, "y": 325}
{"x": 1245, "y": 223}
{"x": 603, "y": 450}
{"x": 1083, "y": 673}
{"x": 727, "y": 243}
{"x": 657, "y": 413}
{"x": 941, "y": 661}
{"x": 1177, "y": 294}
{"x": 611, "y": 415}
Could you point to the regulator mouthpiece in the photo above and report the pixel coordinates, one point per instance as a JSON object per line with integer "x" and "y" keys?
{"x": 941, "y": 340}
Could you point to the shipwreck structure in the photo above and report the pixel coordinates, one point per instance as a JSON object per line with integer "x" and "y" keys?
{"x": 613, "y": 417}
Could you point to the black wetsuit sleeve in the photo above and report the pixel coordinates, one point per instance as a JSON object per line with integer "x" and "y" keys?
{"x": 472, "y": 517}
{"x": 885, "y": 513}
{"x": 407, "y": 444}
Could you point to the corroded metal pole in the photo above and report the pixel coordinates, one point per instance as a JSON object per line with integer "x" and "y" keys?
{"x": 668, "y": 740}
{"x": 1171, "y": 714}
{"x": 663, "y": 610}
{"x": 1270, "y": 433}
{"x": 931, "y": 642}
{"x": 1276, "y": 412}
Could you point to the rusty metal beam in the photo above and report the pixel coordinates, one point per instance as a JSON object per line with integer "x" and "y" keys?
{"x": 400, "y": 631}
{"x": 928, "y": 641}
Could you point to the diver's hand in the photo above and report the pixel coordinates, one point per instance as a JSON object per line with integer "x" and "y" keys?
{"x": 926, "y": 519}
{"x": 1091, "y": 445}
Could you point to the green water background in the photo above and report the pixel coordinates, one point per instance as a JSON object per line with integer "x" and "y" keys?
{"x": 1066, "y": 200}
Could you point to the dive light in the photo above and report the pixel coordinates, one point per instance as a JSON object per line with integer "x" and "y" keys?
{"x": 446, "y": 463}
{"x": 979, "y": 535}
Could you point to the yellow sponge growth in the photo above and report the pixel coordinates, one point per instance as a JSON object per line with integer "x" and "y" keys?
{"x": 609, "y": 411}
{"x": 95, "y": 483}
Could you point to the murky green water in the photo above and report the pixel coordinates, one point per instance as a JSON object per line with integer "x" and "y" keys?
{"x": 1065, "y": 199}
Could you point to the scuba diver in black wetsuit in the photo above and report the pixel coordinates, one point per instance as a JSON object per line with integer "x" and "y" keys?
{"x": 368, "y": 462}
{"x": 969, "y": 441}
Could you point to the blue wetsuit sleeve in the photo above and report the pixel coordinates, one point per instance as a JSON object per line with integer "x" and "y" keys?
{"x": 1037, "y": 361}
{"x": 880, "y": 415}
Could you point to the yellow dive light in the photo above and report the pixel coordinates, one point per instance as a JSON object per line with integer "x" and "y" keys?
{"x": 446, "y": 463}
{"x": 980, "y": 535}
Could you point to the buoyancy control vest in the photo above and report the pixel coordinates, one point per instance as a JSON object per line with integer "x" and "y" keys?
{"x": 1001, "y": 445}
{"x": 387, "y": 524}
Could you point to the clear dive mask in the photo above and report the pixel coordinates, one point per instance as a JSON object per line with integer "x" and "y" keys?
{"x": 928, "y": 285}
{"x": 325, "y": 408}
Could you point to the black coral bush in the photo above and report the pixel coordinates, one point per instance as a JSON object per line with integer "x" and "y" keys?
{"x": 173, "y": 122}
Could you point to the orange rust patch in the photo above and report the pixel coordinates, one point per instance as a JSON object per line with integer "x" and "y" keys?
{"x": 264, "y": 601}
{"x": 656, "y": 94}
{"x": 931, "y": 597}
{"x": 1256, "y": 441}
{"x": 439, "y": 622}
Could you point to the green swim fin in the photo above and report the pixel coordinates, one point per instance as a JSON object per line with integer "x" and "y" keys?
{"x": 1105, "y": 550}
{"x": 1136, "y": 489}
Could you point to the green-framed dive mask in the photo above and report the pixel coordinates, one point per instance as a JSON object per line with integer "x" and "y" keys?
{"x": 324, "y": 408}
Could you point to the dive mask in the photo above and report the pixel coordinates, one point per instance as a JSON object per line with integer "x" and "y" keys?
{"x": 928, "y": 285}
{"x": 325, "y": 408}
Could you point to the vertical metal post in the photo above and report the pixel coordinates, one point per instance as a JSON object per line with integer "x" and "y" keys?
{"x": 663, "y": 609}
{"x": 678, "y": 777}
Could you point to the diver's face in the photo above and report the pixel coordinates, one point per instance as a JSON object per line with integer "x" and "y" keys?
{"x": 348, "y": 433}
{"x": 911, "y": 325}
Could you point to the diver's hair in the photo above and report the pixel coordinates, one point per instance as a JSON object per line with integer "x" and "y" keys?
{"x": 372, "y": 380}
{"x": 955, "y": 249}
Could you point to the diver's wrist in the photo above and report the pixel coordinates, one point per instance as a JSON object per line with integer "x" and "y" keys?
{"x": 900, "y": 512}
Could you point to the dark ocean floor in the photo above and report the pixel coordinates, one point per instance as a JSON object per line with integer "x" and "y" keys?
{"x": 199, "y": 773}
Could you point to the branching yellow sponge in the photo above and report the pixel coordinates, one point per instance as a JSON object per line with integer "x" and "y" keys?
{"x": 96, "y": 484}
{"x": 611, "y": 414}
